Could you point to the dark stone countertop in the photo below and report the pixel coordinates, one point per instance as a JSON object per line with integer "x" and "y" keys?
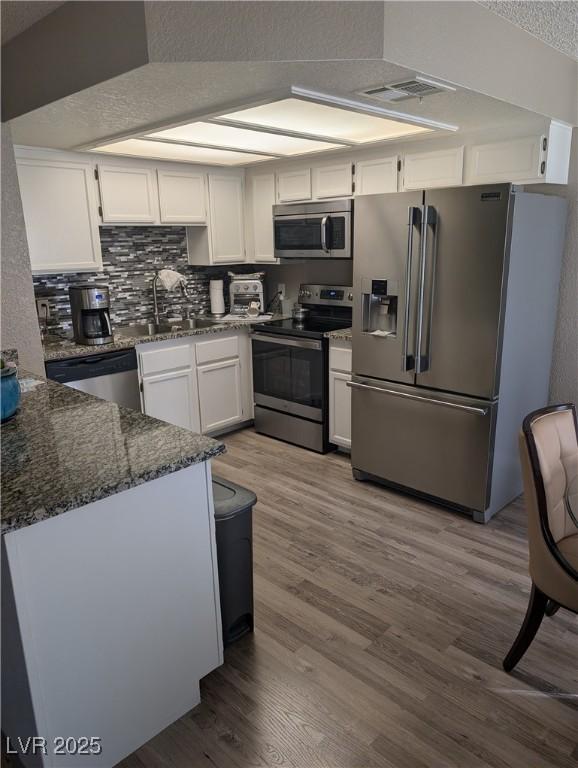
{"x": 61, "y": 349}
{"x": 343, "y": 334}
{"x": 64, "y": 449}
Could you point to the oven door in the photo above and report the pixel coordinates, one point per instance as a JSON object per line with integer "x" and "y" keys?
{"x": 288, "y": 375}
{"x": 313, "y": 236}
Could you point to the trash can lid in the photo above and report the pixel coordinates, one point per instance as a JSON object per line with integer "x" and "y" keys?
{"x": 231, "y": 499}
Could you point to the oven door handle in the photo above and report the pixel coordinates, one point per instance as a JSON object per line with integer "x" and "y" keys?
{"x": 285, "y": 342}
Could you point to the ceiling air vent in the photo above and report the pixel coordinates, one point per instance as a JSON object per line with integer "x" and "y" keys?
{"x": 415, "y": 88}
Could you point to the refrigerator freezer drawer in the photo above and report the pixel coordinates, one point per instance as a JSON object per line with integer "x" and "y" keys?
{"x": 436, "y": 444}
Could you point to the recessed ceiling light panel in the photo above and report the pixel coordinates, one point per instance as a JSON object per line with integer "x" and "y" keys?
{"x": 228, "y": 136}
{"x": 182, "y": 153}
{"x": 311, "y": 118}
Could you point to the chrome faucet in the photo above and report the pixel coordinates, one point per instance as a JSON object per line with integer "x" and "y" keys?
{"x": 155, "y": 299}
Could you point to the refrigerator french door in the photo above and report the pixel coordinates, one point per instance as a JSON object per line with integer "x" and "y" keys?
{"x": 429, "y": 293}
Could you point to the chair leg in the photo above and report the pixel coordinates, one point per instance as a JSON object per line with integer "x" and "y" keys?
{"x": 532, "y": 621}
{"x": 551, "y": 608}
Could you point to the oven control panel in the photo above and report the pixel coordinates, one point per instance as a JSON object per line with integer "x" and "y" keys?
{"x": 328, "y": 295}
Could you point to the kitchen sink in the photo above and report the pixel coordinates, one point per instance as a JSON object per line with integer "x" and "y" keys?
{"x": 151, "y": 329}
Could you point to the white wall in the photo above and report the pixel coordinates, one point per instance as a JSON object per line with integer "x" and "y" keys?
{"x": 19, "y": 327}
{"x": 467, "y": 44}
{"x": 564, "y": 381}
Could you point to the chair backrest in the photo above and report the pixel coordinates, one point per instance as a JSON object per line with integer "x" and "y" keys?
{"x": 549, "y": 455}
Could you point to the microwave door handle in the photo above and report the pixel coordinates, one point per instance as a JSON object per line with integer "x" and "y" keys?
{"x": 324, "y": 221}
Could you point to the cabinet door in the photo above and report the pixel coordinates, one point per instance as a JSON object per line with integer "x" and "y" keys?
{"x": 516, "y": 160}
{"x": 425, "y": 170}
{"x": 333, "y": 180}
{"x": 294, "y": 185}
{"x": 182, "y": 197}
{"x": 60, "y": 207}
{"x": 128, "y": 195}
{"x": 339, "y": 409}
{"x": 172, "y": 397}
{"x": 372, "y": 177}
{"x": 226, "y": 219}
{"x": 263, "y": 200}
{"x": 220, "y": 394}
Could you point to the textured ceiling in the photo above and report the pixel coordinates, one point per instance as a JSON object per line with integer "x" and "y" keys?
{"x": 553, "y": 22}
{"x": 164, "y": 93}
{"x": 18, "y": 15}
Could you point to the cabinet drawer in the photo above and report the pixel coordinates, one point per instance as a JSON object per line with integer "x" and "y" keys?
{"x": 167, "y": 359}
{"x": 340, "y": 358}
{"x": 217, "y": 349}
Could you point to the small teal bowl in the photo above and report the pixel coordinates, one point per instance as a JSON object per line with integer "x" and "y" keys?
{"x": 9, "y": 393}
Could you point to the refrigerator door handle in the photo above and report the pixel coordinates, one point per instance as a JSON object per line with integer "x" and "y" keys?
{"x": 408, "y": 361}
{"x": 432, "y": 400}
{"x": 422, "y": 362}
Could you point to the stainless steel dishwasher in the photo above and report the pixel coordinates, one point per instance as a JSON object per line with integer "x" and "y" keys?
{"x": 111, "y": 376}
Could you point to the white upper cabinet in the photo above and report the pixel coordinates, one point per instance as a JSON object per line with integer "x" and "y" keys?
{"x": 372, "y": 177}
{"x": 425, "y": 170}
{"x": 182, "y": 197}
{"x": 294, "y": 185}
{"x": 128, "y": 194}
{"x": 60, "y": 204}
{"x": 333, "y": 180}
{"x": 226, "y": 209}
{"x": 261, "y": 216}
{"x": 529, "y": 159}
{"x": 507, "y": 161}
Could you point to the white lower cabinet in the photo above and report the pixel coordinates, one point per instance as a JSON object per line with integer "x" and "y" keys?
{"x": 340, "y": 394}
{"x": 220, "y": 397}
{"x": 171, "y": 397}
{"x": 202, "y": 383}
{"x": 340, "y": 409}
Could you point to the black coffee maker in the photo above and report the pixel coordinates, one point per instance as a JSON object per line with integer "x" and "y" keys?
{"x": 90, "y": 305}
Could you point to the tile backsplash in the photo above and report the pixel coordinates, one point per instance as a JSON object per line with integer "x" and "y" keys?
{"x": 130, "y": 256}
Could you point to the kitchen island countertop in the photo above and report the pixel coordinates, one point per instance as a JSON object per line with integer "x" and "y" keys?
{"x": 64, "y": 449}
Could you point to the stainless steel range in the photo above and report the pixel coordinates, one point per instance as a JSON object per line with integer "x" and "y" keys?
{"x": 290, "y": 364}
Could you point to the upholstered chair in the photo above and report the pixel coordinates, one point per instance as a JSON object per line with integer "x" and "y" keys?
{"x": 549, "y": 456}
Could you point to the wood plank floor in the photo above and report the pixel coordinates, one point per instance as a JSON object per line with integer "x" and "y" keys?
{"x": 381, "y": 623}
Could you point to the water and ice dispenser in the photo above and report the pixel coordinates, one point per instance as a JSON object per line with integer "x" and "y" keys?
{"x": 379, "y": 306}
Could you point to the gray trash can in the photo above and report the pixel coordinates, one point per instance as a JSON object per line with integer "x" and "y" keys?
{"x": 234, "y": 533}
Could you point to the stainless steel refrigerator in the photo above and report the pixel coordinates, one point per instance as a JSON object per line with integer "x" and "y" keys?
{"x": 455, "y": 300}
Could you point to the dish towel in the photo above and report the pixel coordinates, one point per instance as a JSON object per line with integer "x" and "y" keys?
{"x": 171, "y": 280}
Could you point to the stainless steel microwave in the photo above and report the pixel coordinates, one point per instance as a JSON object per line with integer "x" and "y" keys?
{"x": 314, "y": 230}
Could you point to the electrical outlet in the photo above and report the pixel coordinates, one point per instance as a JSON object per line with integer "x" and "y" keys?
{"x": 43, "y": 309}
{"x": 281, "y": 290}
